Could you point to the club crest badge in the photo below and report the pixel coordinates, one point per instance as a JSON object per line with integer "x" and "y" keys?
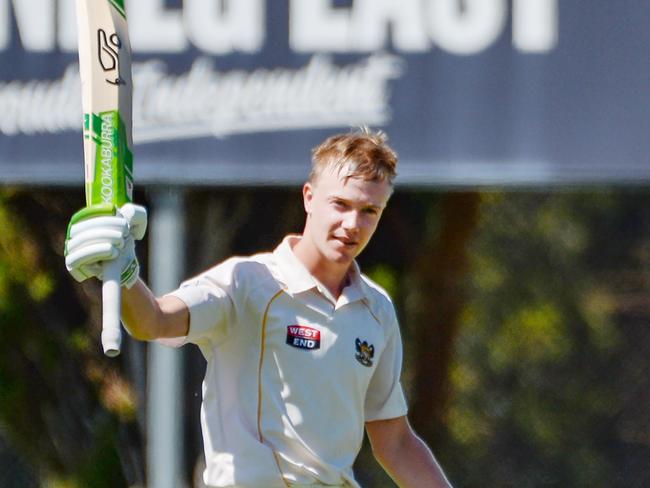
{"x": 365, "y": 352}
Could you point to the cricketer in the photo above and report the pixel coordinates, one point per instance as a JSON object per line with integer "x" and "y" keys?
{"x": 303, "y": 351}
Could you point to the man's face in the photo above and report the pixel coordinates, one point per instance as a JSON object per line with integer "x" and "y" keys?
{"x": 343, "y": 214}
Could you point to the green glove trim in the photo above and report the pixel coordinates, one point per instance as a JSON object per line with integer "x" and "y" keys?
{"x": 98, "y": 210}
{"x": 130, "y": 274}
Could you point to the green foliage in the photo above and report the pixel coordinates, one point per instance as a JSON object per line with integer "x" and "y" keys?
{"x": 386, "y": 277}
{"x": 535, "y": 399}
{"x": 549, "y": 374}
{"x": 59, "y": 404}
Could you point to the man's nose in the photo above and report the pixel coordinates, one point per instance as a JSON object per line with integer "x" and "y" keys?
{"x": 351, "y": 220}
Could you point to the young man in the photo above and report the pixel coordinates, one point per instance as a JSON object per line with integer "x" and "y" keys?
{"x": 303, "y": 351}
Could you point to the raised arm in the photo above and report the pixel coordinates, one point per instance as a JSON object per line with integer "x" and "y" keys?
{"x": 94, "y": 238}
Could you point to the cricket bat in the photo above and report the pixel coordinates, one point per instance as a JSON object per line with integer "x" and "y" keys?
{"x": 106, "y": 94}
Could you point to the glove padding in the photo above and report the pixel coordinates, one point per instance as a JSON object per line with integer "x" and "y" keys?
{"x": 92, "y": 241}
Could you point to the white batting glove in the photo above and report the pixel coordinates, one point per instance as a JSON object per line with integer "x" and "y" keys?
{"x": 102, "y": 235}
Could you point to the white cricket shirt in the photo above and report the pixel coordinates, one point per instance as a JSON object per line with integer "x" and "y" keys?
{"x": 292, "y": 374}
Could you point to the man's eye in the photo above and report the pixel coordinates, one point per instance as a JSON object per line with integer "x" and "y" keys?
{"x": 370, "y": 211}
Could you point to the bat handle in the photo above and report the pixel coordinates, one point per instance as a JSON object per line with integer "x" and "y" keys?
{"x": 111, "y": 298}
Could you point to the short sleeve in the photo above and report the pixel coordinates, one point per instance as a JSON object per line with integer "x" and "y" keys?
{"x": 209, "y": 299}
{"x": 385, "y": 397}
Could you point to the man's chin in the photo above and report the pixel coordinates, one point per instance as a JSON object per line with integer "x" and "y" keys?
{"x": 342, "y": 255}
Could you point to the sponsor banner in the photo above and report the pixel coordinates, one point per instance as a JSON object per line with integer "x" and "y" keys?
{"x": 471, "y": 92}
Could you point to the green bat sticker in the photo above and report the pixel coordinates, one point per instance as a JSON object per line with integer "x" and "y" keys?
{"x": 113, "y": 178}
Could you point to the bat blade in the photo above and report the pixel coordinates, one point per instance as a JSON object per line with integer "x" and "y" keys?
{"x": 106, "y": 87}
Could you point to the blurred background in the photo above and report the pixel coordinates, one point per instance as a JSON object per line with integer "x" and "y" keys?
{"x": 516, "y": 246}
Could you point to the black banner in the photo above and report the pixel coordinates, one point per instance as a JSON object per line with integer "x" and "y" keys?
{"x": 478, "y": 92}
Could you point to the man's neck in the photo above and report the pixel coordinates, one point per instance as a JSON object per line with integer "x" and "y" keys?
{"x": 333, "y": 276}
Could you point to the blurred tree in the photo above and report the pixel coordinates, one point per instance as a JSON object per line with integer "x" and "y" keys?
{"x": 420, "y": 256}
{"x": 549, "y": 362}
{"x": 524, "y": 318}
{"x": 437, "y": 276}
{"x": 65, "y": 407}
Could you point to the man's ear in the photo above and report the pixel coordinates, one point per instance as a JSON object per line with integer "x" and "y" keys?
{"x": 307, "y": 196}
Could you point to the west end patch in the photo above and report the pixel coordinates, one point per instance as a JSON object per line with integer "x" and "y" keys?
{"x": 303, "y": 337}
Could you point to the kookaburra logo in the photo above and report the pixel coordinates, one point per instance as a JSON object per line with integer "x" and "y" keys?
{"x": 108, "y": 53}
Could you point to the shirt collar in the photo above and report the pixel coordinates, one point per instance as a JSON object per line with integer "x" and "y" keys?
{"x": 356, "y": 288}
{"x": 298, "y": 279}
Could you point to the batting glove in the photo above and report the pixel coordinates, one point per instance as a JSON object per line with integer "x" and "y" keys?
{"x": 102, "y": 233}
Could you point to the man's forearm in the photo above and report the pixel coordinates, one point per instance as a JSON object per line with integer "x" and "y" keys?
{"x": 404, "y": 456}
{"x": 147, "y": 317}
{"x": 416, "y": 467}
{"x": 140, "y": 311}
